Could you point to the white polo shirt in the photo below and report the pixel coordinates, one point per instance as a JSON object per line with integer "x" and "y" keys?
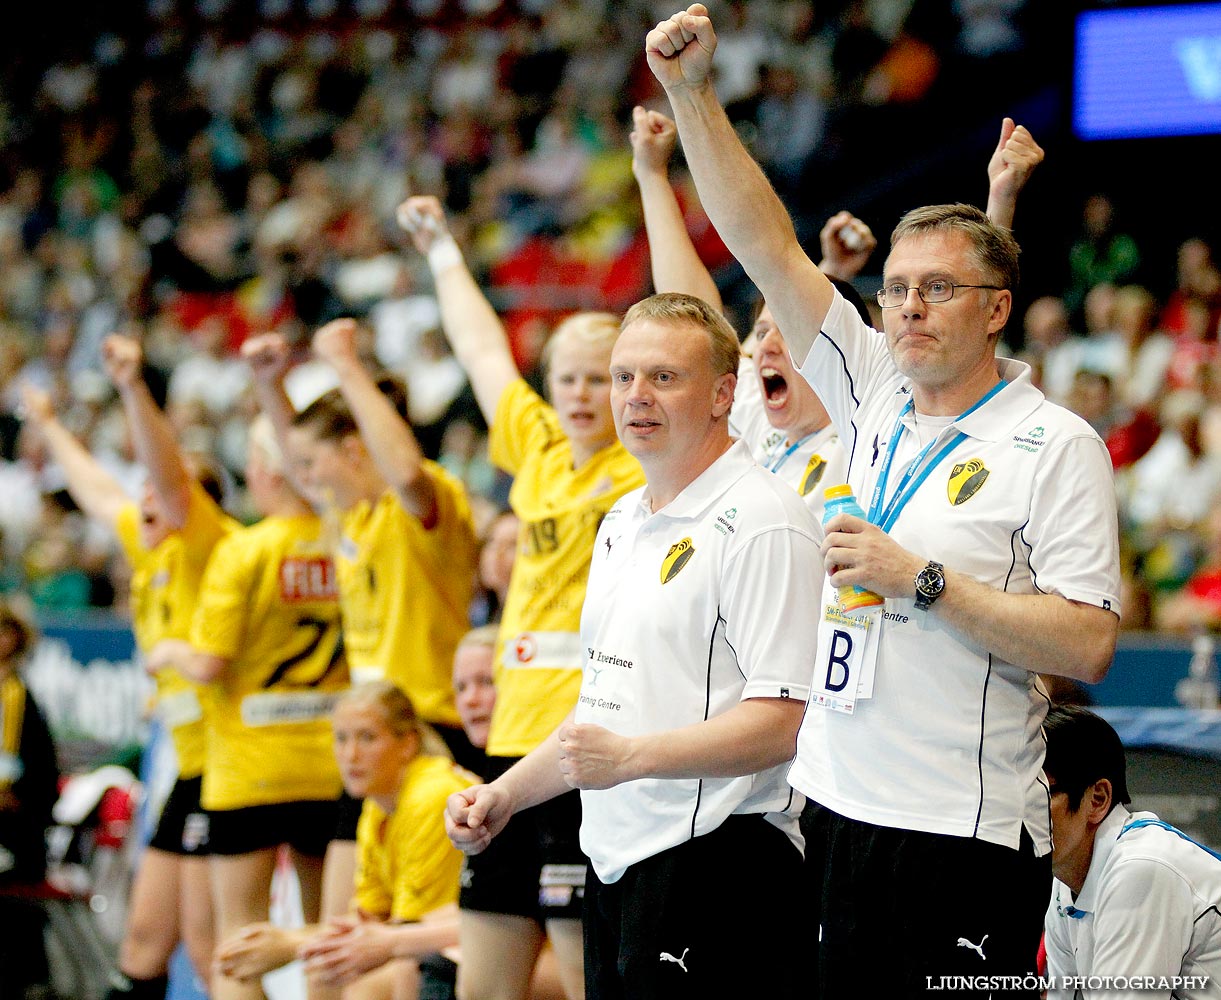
{"x": 688, "y": 612}
{"x": 809, "y": 465}
{"x": 950, "y": 741}
{"x": 1148, "y": 907}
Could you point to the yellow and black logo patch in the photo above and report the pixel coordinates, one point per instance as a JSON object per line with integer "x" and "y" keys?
{"x": 679, "y": 555}
{"x": 810, "y": 478}
{"x": 965, "y": 480}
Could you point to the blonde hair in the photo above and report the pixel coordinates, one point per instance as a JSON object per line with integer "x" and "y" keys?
{"x": 395, "y": 707}
{"x": 484, "y": 635}
{"x": 397, "y": 711}
{"x": 597, "y": 328}
{"x": 677, "y": 308}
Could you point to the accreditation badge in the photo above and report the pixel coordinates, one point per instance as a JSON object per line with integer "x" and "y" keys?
{"x": 847, "y": 659}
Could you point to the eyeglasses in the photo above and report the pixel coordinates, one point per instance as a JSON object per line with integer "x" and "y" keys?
{"x": 938, "y": 290}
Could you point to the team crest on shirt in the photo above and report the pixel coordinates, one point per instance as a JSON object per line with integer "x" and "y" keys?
{"x": 965, "y": 480}
{"x": 679, "y": 555}
{"x": 815, "y": 467}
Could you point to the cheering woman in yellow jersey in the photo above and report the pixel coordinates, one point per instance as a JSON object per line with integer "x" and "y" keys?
{"x": 405, "y": 551}
{"x": 167, "y": 538}
{"x": 568, "y": 469}
{"x": 266, "y": 639}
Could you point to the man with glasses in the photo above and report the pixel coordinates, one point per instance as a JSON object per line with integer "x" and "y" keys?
{"x": 992, "y": 533}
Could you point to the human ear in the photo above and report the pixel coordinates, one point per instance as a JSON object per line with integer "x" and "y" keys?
{"x": 1098, "y": 799}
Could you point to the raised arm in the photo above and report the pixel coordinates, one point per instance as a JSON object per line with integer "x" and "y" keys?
{"x": 388, "y": 437}
{"x": 471, "y": 325}
{"x": 95, "y": 490}
{"x": 268, "y": 357}
{"x": 1013, "y": 161}
{"x": 156, "y": 446}
{"x": 676, "y": 265}
{"x": 737, "y": 197}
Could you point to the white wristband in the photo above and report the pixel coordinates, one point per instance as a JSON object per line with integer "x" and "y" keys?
{"x": 444, "y": 254}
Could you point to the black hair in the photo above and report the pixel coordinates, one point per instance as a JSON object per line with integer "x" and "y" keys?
{"x": 1083, "y": 748}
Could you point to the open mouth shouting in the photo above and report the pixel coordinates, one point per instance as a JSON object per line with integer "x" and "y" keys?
{"x": 775, "y": 387}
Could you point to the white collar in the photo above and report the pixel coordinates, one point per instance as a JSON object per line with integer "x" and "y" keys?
{"x": 699, "y": 494}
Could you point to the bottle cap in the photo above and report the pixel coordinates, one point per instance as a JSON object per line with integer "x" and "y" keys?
{"x": 836, "y": 492}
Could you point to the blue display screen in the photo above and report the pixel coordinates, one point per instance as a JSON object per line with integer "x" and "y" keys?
{"x": 1148, "y": 71}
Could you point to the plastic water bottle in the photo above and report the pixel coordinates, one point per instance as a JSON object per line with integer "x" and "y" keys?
{"x": 853, "y": 599}
{"x": 1199, "y": 689}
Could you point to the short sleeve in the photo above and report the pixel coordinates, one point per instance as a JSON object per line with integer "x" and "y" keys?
{"x": 206, "y": 524}
{"x": 428, "y": 862}
{"x": 219, "y": 622}
{"x": 770, "y": 610}
{"x": 127, "y": 530}
{"x": 1073, "y": 531}
{"x": 524, "y": 425}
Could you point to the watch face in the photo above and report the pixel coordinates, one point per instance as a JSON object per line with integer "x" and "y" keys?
{"x": 930, "y": 582}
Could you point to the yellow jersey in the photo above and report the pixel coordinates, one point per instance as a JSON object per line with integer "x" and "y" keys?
{"x": 405, "y": 592}
{"x": 405, "y": 864}
{"x": 164, "y": 586}
{"x": 269, "y": 603}
{"x": 538, "y": 661}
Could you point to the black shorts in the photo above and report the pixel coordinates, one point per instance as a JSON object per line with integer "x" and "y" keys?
{"x": 184, "y": 827}
{"x": 438, "y": 978}
{"x": 306, "y": 827}
{"x": 347, "y": 816}
{"x": 534, "y": 867}
{"x": 715, "y": 916}
{"x": 931, "y": 905}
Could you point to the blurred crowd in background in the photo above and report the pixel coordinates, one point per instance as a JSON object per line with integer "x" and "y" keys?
{"x": 195, "y": 173}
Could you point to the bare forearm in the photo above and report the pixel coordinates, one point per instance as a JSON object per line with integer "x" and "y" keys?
{"x": 158, "y": 450}
{"x": 424, "y": 938}
{"x": 95, "y": 490}
{"x": 750, "y": 217}
{"x": 752, "y": 736}
{"x": 1039, "y": 632}
{"x": 536, "y": 778}
{"x": 1002, "y": 205}
{"x": 676, "y": 266}
{"x": 274, "y": 402}
{"x": 476, "y": 335}
{"x": 203, "y": 668}
{"x": 391, "y": 443}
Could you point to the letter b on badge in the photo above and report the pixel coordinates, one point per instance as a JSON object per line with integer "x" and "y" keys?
{"x": 837, "y": 660}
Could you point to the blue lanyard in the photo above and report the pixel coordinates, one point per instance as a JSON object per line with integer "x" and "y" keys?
{"x": 908, "y": 486}
{"x": 775, "y": 467}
